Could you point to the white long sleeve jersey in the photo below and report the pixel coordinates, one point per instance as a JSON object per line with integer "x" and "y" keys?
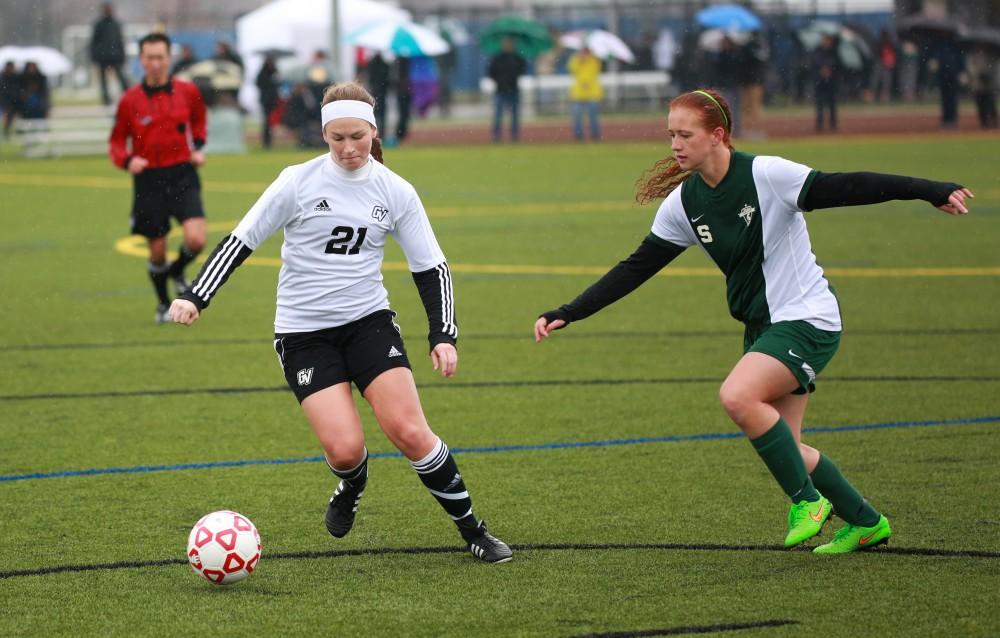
{"x": 335, "y": 224}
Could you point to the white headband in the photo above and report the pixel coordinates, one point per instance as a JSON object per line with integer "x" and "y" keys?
{"x": 348, "y": 108}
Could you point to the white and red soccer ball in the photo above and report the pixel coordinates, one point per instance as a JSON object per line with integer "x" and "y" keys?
{"x": 224, "y": 547}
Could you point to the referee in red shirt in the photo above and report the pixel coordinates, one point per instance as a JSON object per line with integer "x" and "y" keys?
{"x": 163, "y": 118}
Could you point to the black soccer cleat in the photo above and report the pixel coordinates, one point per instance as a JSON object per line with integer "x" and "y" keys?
{"x": 343, "y": 507}
{"x": 485, "y": 546}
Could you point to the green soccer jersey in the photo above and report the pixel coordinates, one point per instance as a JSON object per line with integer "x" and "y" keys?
{"x": 752, "y": 227}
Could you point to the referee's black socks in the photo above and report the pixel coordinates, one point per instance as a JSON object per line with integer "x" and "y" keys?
{"x": 158, "y": 273}
{"x": 184, "y": 257}
{"x": 440, "y": 475}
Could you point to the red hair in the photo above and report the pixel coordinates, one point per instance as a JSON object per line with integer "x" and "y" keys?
{"x": 666, "y": 175}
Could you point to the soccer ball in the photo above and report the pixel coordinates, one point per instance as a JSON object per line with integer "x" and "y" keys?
{"x": 224, "y": 547}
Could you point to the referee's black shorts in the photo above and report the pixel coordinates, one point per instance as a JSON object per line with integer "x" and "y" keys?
{"x": 355, "y": 352}
{"x": 162, "y": 193}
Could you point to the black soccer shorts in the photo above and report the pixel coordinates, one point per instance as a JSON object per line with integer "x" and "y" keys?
{"x": 162, "y": 193}
{"x": 355, "y": 352}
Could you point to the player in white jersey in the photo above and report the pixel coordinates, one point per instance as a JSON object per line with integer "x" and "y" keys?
{"x": 745, "y": 212}
{"x": 333, "y": 325}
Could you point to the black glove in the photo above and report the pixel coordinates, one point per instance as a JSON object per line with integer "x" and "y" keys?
{"x": 558, "y": 313}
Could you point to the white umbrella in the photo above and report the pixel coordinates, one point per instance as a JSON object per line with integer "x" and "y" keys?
{"x": 450, "y": 29}
{"x": 603, "y": 44}
{"x": 405, "y": 39}
{"x": 712, "y": 39}
{"x": 50, "y": 61}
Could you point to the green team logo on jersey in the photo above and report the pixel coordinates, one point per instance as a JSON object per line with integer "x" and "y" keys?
{"x": 746, "y": 213}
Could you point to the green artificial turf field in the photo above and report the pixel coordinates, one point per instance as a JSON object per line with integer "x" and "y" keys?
{"x": 602, "y": 455}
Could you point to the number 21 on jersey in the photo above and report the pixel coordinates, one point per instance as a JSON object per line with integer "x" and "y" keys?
{"x": 342, "y": 235}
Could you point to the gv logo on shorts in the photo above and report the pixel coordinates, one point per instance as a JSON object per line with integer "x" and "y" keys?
{"x": 305, "y": 376}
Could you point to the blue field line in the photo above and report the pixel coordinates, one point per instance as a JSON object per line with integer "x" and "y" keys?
{"x": 708, "y": 436}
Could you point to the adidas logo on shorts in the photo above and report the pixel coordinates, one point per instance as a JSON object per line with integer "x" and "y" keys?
{"x": 322, "y": 206}
{"x": 393, "y": 352}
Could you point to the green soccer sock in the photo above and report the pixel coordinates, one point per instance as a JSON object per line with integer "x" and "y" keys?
{"x": 847, "y": 501}
{"x": 780, "y": 452}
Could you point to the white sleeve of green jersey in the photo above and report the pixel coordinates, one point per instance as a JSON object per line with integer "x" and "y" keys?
{"x": 413, "y": 231}
{"x": 786, "y": 179}
{"x": 273, "y": 209}
{"x": 670, "y": 223}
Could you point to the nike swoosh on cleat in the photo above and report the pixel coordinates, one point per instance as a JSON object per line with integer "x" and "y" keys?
{"x": 818, "y": 516}
{"x": 864, "y": 540}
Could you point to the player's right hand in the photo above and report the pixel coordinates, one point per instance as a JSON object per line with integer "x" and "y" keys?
{"x": 543, "y": 327}
{"x": 137, "y": 165}
{"x": 183, "y": 311}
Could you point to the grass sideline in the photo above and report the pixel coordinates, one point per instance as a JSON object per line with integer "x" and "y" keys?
{"x": 626, "y": 538}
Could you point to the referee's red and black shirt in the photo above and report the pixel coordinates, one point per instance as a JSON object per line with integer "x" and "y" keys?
{"x": 161, "y": 122}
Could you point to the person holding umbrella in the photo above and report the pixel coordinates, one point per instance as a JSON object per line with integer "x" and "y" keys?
{"x": 505, "y": 68}
{"x": 586, "y": 92}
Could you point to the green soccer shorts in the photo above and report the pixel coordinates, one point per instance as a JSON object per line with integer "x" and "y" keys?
{"x": 804, "y": 348}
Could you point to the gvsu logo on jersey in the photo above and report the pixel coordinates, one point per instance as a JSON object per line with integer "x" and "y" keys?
{"x": 379, "y": 212}
{"x": 746, "y": 213}
{"x": 305, "y": 376}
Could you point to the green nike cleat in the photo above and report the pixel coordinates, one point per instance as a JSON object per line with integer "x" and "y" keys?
{"x": 805, "y": 520}
{"x": 851, "y": 538}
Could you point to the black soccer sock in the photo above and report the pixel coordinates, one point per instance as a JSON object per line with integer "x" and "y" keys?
{"x": 184, "y": 257}
{"x": 356, "y": 476}
{"x": 440, "y": 475}
{"x": 158, "y": 274}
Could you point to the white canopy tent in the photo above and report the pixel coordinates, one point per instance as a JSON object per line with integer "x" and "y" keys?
{"x": 303, "y": 26}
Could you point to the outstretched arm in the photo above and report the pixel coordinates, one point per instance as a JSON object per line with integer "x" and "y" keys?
{"x": 630, "y": 273}
{"x": 227, "y": 257}
{"x": 830, "y": 190}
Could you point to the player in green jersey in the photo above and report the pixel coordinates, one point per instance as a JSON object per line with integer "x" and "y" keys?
{"x": 745, "y": 212}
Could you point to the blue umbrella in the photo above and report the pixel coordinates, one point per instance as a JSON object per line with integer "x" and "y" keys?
{"x": 728, "y": 17}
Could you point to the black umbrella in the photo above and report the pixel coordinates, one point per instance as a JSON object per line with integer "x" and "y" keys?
{"x": 984, "y": 37}
{"x": 923, "y": 25}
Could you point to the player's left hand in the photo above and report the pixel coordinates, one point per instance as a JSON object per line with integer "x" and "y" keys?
{"x": 956, "y": 202}
{"x": 197, "y": 158}
{"x": 445, "y": 358}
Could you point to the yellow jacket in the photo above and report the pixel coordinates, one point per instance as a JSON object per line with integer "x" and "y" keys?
{"x": 586, "y": 71}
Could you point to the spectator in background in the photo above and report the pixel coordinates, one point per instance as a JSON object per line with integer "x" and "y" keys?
{"x": 950, "y": 65}
{"x": 185, "y": 60}
{"x": 225, "y": 52}
{"x": 909, "y": 70}
{"x": 643, "y": 51}
{"x": 446, "y": 71}
{"x": 505, "y": 68}
{"x": 728, "y": 77}
{"x": 883, "y": 69}
{"x": 300, "y": 116}
{"x": 826, "y": 74}
{"x": 586, "y": 92}
{"x": 378, "y": 85}
{"x": 753, "y": 65}
{"x": 267, "y": 89}
{"x": 34, "y": 100}
{"x": 10, "y": 95}
{"x": 404, "y": 96}
{"x": 424, "y": 81}
{"x": 981, "y": 64}
{"x": 107, "y": 49}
